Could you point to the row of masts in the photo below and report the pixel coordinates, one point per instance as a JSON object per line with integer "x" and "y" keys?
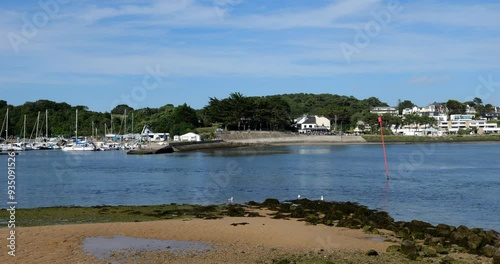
{"x": 37, "y": 127}
{"x": 125, "y": 118}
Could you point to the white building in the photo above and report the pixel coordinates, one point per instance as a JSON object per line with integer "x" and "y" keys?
{"x": 313, "y": 124}
{"x": 381, "y": 110}
{"x": 436, "y": 110}
{"x": 491, "y": 116}
{"x": 409, "y": 111}
{"x": 361, "y": 127}
{"x": 191, "y": 137}
{"x": 456, "y": 123}
{"x": 416, "y": 130}
{"x": 462, "y": 117}
{"x": 148, "y": 133}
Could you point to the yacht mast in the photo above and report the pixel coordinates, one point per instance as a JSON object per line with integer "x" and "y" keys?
{"x": 37, "y": 125}
{"x": 111, "y": 123}
{"x": 125, "y": 132}
{"x": 24, "y": 130}
{"x": 7, "y": 126}
{"x": 47, "y": 123}
{"x": 76, "y": 131}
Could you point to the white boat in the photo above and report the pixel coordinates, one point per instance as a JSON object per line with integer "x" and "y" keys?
{"x": 40, "y": 145}
{"x": 79, "y": 145}
{"x": 105, "y": 146}
{"x": 8, "y": 146}
{"x": 11, "y": 147}
{"x": 27, "y": 146}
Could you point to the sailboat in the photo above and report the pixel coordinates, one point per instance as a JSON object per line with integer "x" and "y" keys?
{"x": 25, "y": 145}
{"x": 42, "y": 143}
{"x": 8, "y": 146}
{"x": 79, "y": 145}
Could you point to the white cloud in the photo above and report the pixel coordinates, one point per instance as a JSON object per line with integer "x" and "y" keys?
{"x": 191, "y": 40}
{"x": 324, "y": 17}
{"x": 426, "y": 80}
{"x": 442, "y": 14}
{"x": 95, "y": 13}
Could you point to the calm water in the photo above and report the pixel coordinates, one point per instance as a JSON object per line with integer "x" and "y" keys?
{"x": 104, "y": 247}
{"x": 444, "y": 183}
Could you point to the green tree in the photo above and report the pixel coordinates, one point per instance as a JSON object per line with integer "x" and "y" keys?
{"x": 489, "y": 108}
{"x": 455, "y": 107}
{"x": 412, "y": 119}
{"x": 478, "y": 101}
{"x": 120, "y": 109}
{"x": 161, "y": 120}
{"x": 279, "y": 114}
{"x": 337, "y": 111}
{"x": 374, "y": 101}
{"x": 239, "y": 108}
{"x": 185, "y": 114}
{"x": 428, "y": 121}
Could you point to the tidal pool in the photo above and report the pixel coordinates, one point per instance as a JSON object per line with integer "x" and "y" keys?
{"x": 103, "y": 247}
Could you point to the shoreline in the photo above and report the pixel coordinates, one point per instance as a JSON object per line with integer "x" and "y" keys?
{"x": 336, "y": 230}
{"x": 437, "y": 140}
{"x": 271, "y": 142}
{"x": 242, "y": 140}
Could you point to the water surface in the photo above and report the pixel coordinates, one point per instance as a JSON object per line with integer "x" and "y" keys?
{"x": 457, "y": 184}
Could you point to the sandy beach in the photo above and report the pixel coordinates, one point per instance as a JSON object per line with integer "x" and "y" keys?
{"x": 260, "y": 240}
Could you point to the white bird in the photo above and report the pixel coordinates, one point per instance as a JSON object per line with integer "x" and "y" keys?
{"x": 230, "y": 200}
{"x": 298, "y": 197}
{"x": 322, "y": 198}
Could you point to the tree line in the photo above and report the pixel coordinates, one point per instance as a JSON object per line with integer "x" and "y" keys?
{"x": 236, "y": 112}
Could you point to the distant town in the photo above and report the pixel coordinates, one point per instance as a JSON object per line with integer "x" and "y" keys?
{"x": 446, "y": 121}
{"x": 436, "y": 119}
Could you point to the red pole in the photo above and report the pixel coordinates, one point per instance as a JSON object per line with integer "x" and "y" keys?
{"x": 383, "y": 146}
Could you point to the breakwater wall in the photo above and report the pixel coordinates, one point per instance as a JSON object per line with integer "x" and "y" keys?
{"x": 259, "y": 137}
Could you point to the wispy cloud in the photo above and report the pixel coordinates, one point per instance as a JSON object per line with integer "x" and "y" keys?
{"x": 120, "y": 37}
{"x": 457, "y": 14}
{"x": 94, "y": 13}
{"x": 426, "y": 80}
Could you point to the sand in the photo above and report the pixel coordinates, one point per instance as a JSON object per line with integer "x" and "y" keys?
{"x": 260, "y": 241}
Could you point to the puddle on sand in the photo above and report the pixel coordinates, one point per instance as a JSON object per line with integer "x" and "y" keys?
{"x": 103, "y": 247}
{"x": 376, "y": 239}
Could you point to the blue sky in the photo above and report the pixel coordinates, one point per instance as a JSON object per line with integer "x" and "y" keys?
{"x": 152, "y": 53}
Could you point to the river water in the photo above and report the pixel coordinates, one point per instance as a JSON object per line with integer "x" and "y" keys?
{"x": 456, "y": 184}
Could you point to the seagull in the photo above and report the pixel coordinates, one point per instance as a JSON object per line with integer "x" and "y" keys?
{"x": 230, "y": 200}
{"x": 298, "y": 197}
{"x": 322, "y": 198}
